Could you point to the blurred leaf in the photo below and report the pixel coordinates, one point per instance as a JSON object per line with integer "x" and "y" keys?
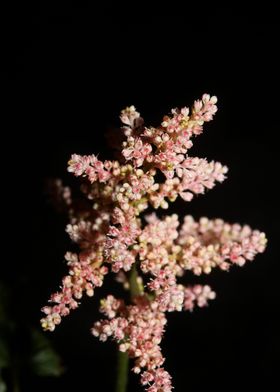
{"x": 46, "y": 363}
{"x": 4, "y": 355}
{"x": 39, "y": 340}
{"x": 44, "y": 360}
{"x": 3, "y": 386}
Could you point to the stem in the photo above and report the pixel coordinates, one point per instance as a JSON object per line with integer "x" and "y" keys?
{"x": 15, "y": 381}
{"x": 134, "y": 287}
{"x": 122, "y": 371}
{"x": 122, "y": 359}
{"x": 16, "y": 386}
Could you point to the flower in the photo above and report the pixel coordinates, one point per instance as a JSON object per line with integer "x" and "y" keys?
{"x": 148, "y": 253}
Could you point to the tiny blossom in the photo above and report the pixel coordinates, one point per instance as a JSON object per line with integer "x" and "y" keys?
{"x": 199, "y": 295}
{"x": 129, "y": 115}
{"x": 60, "y": 195}
{"x": 136, "y": 150}
{"x": 160, "y": 379}
{"x": 148, "y": 254}
{"x": 88, "y": 166}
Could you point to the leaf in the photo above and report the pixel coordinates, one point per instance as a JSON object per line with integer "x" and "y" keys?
{"x": 3, "y": 386}
{"x": 44, "y": 360}
{"x": 46, "y": 363}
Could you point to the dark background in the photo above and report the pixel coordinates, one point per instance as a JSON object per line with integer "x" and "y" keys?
{"x": 69, "y": 68}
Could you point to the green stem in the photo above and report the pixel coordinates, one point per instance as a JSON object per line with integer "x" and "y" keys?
{"x": 134, "y": 287}
{"x": 122, "y": 372}
{"x": 123, "y": 360}
{"x": 15, "y": 381}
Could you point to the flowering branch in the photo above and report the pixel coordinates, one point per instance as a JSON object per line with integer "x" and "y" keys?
{"x": 148, "y": 254}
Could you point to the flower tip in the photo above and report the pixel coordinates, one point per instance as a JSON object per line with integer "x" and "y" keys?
{"x": 214, "y": 99}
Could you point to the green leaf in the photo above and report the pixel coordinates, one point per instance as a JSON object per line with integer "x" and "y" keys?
{"x": 4, "y": 355}
{"x": 3, "y": 386}
{"x": 44, "y": 360}
{"x": 46, "y": 363}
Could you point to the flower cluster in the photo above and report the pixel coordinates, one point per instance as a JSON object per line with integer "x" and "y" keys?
{"x": 139, "y": 328}
{"x": 148, "y": 254}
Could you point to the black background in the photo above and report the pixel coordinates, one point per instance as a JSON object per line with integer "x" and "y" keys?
{"x": 69, "y": 68}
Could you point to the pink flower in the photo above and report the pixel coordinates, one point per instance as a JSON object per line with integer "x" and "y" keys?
{"x": 107, "y": 228}
{"x": 136, "y": 150}
{"x": 213, "y": 243}
{"x": 197, "y": 294}
{"x": 160, "y": 380}
{"x": 205, "y": 109}
{"x": 82, "y": 277}
{"x": 138, "y": 329}
{"x": 129, "y": 115}
{"x": 89, "y": 166}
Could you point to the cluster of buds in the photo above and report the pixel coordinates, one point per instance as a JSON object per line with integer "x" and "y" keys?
{"x": 114, "y": 234}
